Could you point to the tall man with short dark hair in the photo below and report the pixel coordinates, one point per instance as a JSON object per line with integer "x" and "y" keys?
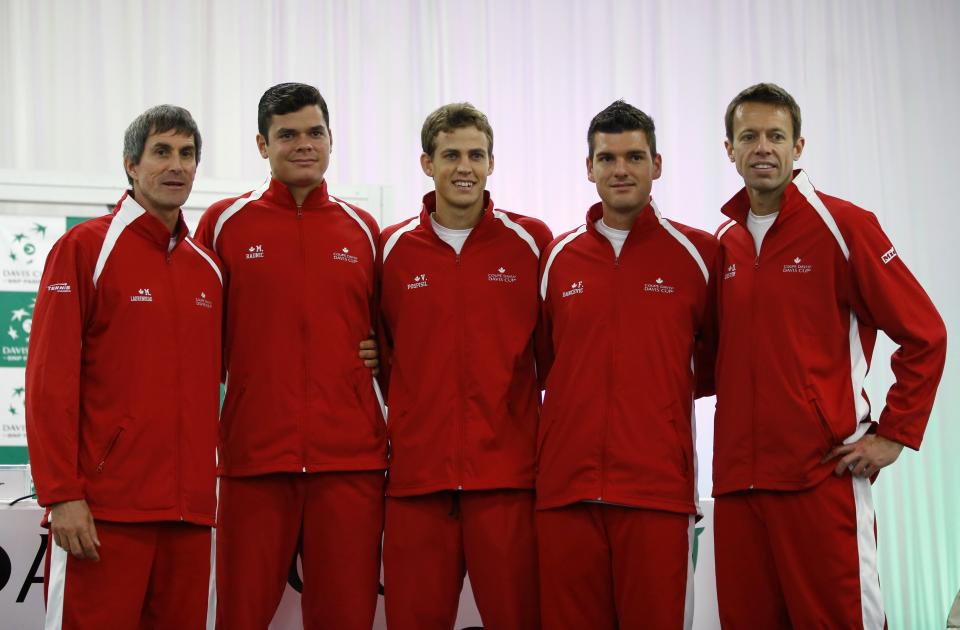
{"x": 302, "y": 438}
{"x": 459, "y": 310}
{"x": 808, "y": 280}
{"x": 122, "y": 393}
{"x": 626, "y": 302}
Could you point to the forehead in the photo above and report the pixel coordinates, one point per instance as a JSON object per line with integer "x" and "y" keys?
{"x": 623, "y": 142}
{"x": 462, "y": 139}
{"x": 760, "y": 116}
{"x": 306, "y": 117}
{"x": 171, "y": 138}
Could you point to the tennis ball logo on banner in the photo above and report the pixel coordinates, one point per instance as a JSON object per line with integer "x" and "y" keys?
{"x": 16, "y": 317}
{"x": 24, "y": 245}
{"x": 13, "y": 431}
{"x": 13, "y": 425}
{"x": 23, "y": 262}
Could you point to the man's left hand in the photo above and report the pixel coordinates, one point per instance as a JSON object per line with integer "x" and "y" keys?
{"x": 866, "y": 456}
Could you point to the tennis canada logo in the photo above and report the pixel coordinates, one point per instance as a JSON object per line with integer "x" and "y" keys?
{"x": 59, "y": 287}
{"x": 731, "y": 272}
{"x": 142, "y": 295}
{"x": 658, "y": 286}
{"x": 19, "y": 310}
{"x": 798, "y": 266}
{"x": 203, "y": 301}
{"x": 575, "y": 289}
{"x": 419, "y": 282}
{"x": 344, "y": 255}
{"x": 254, "y": 251}
{"x": 502, "y": 276}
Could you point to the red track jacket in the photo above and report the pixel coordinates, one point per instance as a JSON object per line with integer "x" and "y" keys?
{"x": 123, "y": 371}
{"x": 617, "y": 421}
{"x": 798, "y": 322}
{"x": 457, "y": 342}
{"x": 299, "y": 299}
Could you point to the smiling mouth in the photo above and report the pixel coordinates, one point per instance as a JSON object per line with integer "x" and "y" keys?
{"x": 462, "y": 185}
{"x": 763, "y": 166}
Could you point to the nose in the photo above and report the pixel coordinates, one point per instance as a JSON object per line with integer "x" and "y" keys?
{"x": 620, "y": 167}
{"x": 463, "y": 164}
{"x": 763, "y": 144}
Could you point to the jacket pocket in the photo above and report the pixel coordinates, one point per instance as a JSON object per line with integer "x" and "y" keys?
{"x": 368, "y": 402}
{"x": 814, "y": 401}
{"x": 671, "y": 415}
{"x": 109, "y": 448}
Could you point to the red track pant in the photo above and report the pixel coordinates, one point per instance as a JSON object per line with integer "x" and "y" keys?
{"x": 430, "y": 542}
{"x": 804, "y": 559}
{"x": 605, "y": 567}
{"x": 339, "y": 519}
{"x": 151, "y": 576}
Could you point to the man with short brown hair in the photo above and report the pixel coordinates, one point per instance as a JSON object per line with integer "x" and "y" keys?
{"x": 458, "y": 311}
{"x": 808, "y": 280}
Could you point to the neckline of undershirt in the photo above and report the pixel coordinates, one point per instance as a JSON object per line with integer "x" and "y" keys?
{"x": 445, "y": 231}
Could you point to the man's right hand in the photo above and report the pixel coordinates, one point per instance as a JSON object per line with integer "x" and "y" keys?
{"x": 71, "y": 524}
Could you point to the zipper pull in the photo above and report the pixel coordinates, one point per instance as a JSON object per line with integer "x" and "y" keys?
{"x": 756, "y": 262}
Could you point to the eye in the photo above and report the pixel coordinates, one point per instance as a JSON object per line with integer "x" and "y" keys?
{"x": 285, "y": 135}
{"x": 317, "y": 133}
{"x": 477, "y": 155}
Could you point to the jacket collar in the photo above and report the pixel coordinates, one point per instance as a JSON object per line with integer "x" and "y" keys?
{"x": 739, "y": 205}
{"x": 430, "y": 206}
{"x": 648, "y": 219}
{"x": 279, "y": 194}
{"x": 131, "y": 213}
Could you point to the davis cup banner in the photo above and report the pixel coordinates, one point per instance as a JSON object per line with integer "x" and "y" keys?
{"x": 25, "y": 242}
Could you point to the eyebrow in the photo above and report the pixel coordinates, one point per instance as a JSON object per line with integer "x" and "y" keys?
{"x": 291, "y": 129}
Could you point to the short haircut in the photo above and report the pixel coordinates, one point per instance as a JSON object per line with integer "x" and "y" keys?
{"x": 159, "y": 119}
{"x": 286, "y": 98}
{"x": 618, "y": 117}
{"x": 450, "y": 118}
{"x": 770, "y": 94}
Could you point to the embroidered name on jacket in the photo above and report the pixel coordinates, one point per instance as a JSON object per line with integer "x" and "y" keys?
{"x": 344, "y": 255}
{"x": 658, "y": 286}
{"x": 419, "y": 282}
{"x": 731, "y": 272}
{"x": 575, "y": 288}
{"x": 143, "y": 295}
{"x": 255, "y": 251}
{"x": 502, "y": 276}
{"x": 203, "y": 301}
{"x": 798, "y": 266}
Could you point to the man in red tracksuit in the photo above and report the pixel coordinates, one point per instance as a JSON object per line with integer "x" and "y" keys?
{"x": 121, "y": 398}
{"x": 808, "y": 280}
{"x": 458, "y": 312}
{"x": 302, "y": 436}
{"x": 626, "y": 304}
